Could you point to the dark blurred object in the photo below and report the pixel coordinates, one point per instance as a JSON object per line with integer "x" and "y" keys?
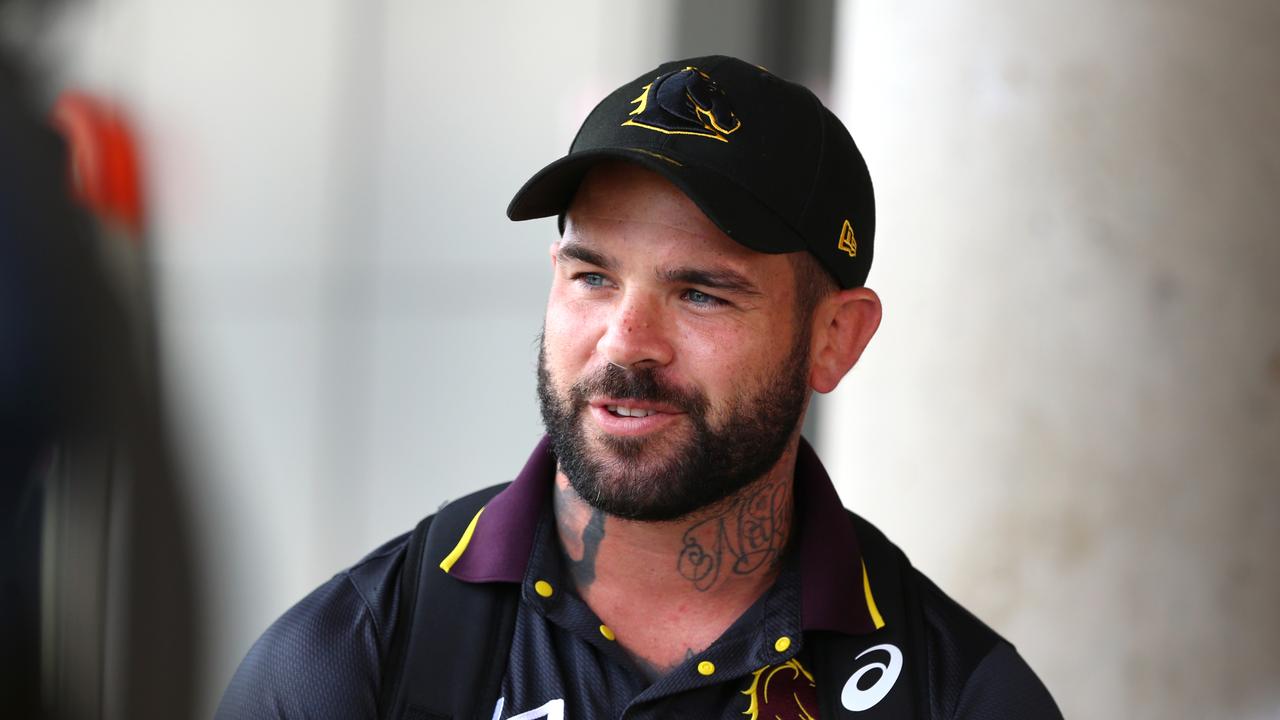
{"x": 96, "y": 600}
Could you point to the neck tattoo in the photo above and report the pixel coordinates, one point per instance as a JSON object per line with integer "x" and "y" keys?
{"x": 747, "y": 534}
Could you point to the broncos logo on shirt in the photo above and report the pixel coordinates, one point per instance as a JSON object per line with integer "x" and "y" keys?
{"x": 785, "y": 692}
{"x": 684, "y": 102}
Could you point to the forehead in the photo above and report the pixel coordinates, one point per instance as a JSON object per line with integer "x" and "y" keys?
{"x": 623, "y": 198}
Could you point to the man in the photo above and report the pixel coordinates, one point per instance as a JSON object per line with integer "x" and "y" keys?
{"x": 673, "y": 548}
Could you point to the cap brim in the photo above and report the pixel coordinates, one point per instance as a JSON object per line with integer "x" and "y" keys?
{"x": 734, "y": 210}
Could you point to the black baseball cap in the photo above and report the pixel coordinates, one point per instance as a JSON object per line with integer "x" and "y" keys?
{"x": 762, "y": 157}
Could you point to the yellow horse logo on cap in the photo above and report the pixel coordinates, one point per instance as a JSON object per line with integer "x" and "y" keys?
{"x": 684, "y": 102}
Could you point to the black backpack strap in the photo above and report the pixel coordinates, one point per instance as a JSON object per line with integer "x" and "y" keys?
{"x": 451, "y": 637}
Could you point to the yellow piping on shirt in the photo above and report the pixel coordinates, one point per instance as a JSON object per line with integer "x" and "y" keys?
{"x": 447, "y": 563}
{"x": 871, "y": 601}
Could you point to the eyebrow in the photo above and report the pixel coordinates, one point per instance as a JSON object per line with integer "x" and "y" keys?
{"x": 718, "y": 278}
{"x": 715, "y": 278}
{"x": 586, "y": 255}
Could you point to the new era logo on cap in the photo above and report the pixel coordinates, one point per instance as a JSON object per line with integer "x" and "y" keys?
{"x": 848, "y": 242}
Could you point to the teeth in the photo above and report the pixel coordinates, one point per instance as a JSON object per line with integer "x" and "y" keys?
{"x": 625, "y": 411}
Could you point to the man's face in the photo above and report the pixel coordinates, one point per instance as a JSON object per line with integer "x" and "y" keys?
{"x": 673, "y": 369}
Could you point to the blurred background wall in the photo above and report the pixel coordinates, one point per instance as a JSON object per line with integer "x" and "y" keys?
{"x": 1071, "y": 415}
{"x": 1070, "y": 419}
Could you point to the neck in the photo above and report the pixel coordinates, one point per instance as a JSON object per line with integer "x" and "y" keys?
{"x": 696, "y": 575}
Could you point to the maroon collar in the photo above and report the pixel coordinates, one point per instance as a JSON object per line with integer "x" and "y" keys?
{"x": 833, "y": 596}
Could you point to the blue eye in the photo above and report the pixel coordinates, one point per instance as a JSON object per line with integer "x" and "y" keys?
{"x": 697, "y": 297}
{"x": 592, "y": 279}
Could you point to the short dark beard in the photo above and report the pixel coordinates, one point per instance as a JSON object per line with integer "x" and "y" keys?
{"x": 711, "y": 465}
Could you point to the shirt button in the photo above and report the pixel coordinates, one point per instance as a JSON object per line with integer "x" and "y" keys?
{"x": 607, "y": 633}
{"x": 782, "y": 644}
{"x": 706, "y": 667}
{"x": 543, "y": 588}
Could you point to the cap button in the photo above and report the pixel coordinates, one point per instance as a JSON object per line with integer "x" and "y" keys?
{"x": 782, "y": 644}
{"x": 706, "y": 667}
{"x": 543, "y": 588}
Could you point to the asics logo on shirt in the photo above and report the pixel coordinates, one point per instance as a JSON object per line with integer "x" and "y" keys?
{"x": 856, "y": 698}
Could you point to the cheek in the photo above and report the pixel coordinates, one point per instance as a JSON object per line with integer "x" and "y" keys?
{"x": 567, "y": 335}
{"x": 732, "y": 358}
{"x": 720, "y": 355}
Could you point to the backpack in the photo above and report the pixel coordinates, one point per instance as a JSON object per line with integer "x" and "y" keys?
{"x": 436, "y": 610}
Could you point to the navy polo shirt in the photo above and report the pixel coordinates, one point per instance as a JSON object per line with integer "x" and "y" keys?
{"x": 324, "y": 657}
{"x": 561, "y": 652}
{"x": 835, "y": 596}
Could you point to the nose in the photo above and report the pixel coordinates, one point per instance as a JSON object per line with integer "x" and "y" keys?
{"x": 637, "y": 334}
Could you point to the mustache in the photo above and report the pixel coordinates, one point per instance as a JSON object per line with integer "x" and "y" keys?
{"x": 637, "y": 384}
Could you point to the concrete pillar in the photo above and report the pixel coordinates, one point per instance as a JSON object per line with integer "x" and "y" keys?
{"x": 1071, "y": 416}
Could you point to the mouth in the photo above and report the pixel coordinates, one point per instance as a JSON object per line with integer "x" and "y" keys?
{"x": 632, "y": 417}
{"x": 627, "y": 411}
{"x": 634, "y": 407}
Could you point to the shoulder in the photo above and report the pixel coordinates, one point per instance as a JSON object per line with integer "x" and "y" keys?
{"x": 323, "y": 657}
{"x": 327, "y": 655}
{"x": 971, "y": 672}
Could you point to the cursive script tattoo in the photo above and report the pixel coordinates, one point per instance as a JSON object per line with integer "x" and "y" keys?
{"x": 749, "y": 533}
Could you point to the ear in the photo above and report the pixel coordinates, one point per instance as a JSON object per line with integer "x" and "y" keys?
{"x": 555, "y": 251}
{"x": 842, "y": 326}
